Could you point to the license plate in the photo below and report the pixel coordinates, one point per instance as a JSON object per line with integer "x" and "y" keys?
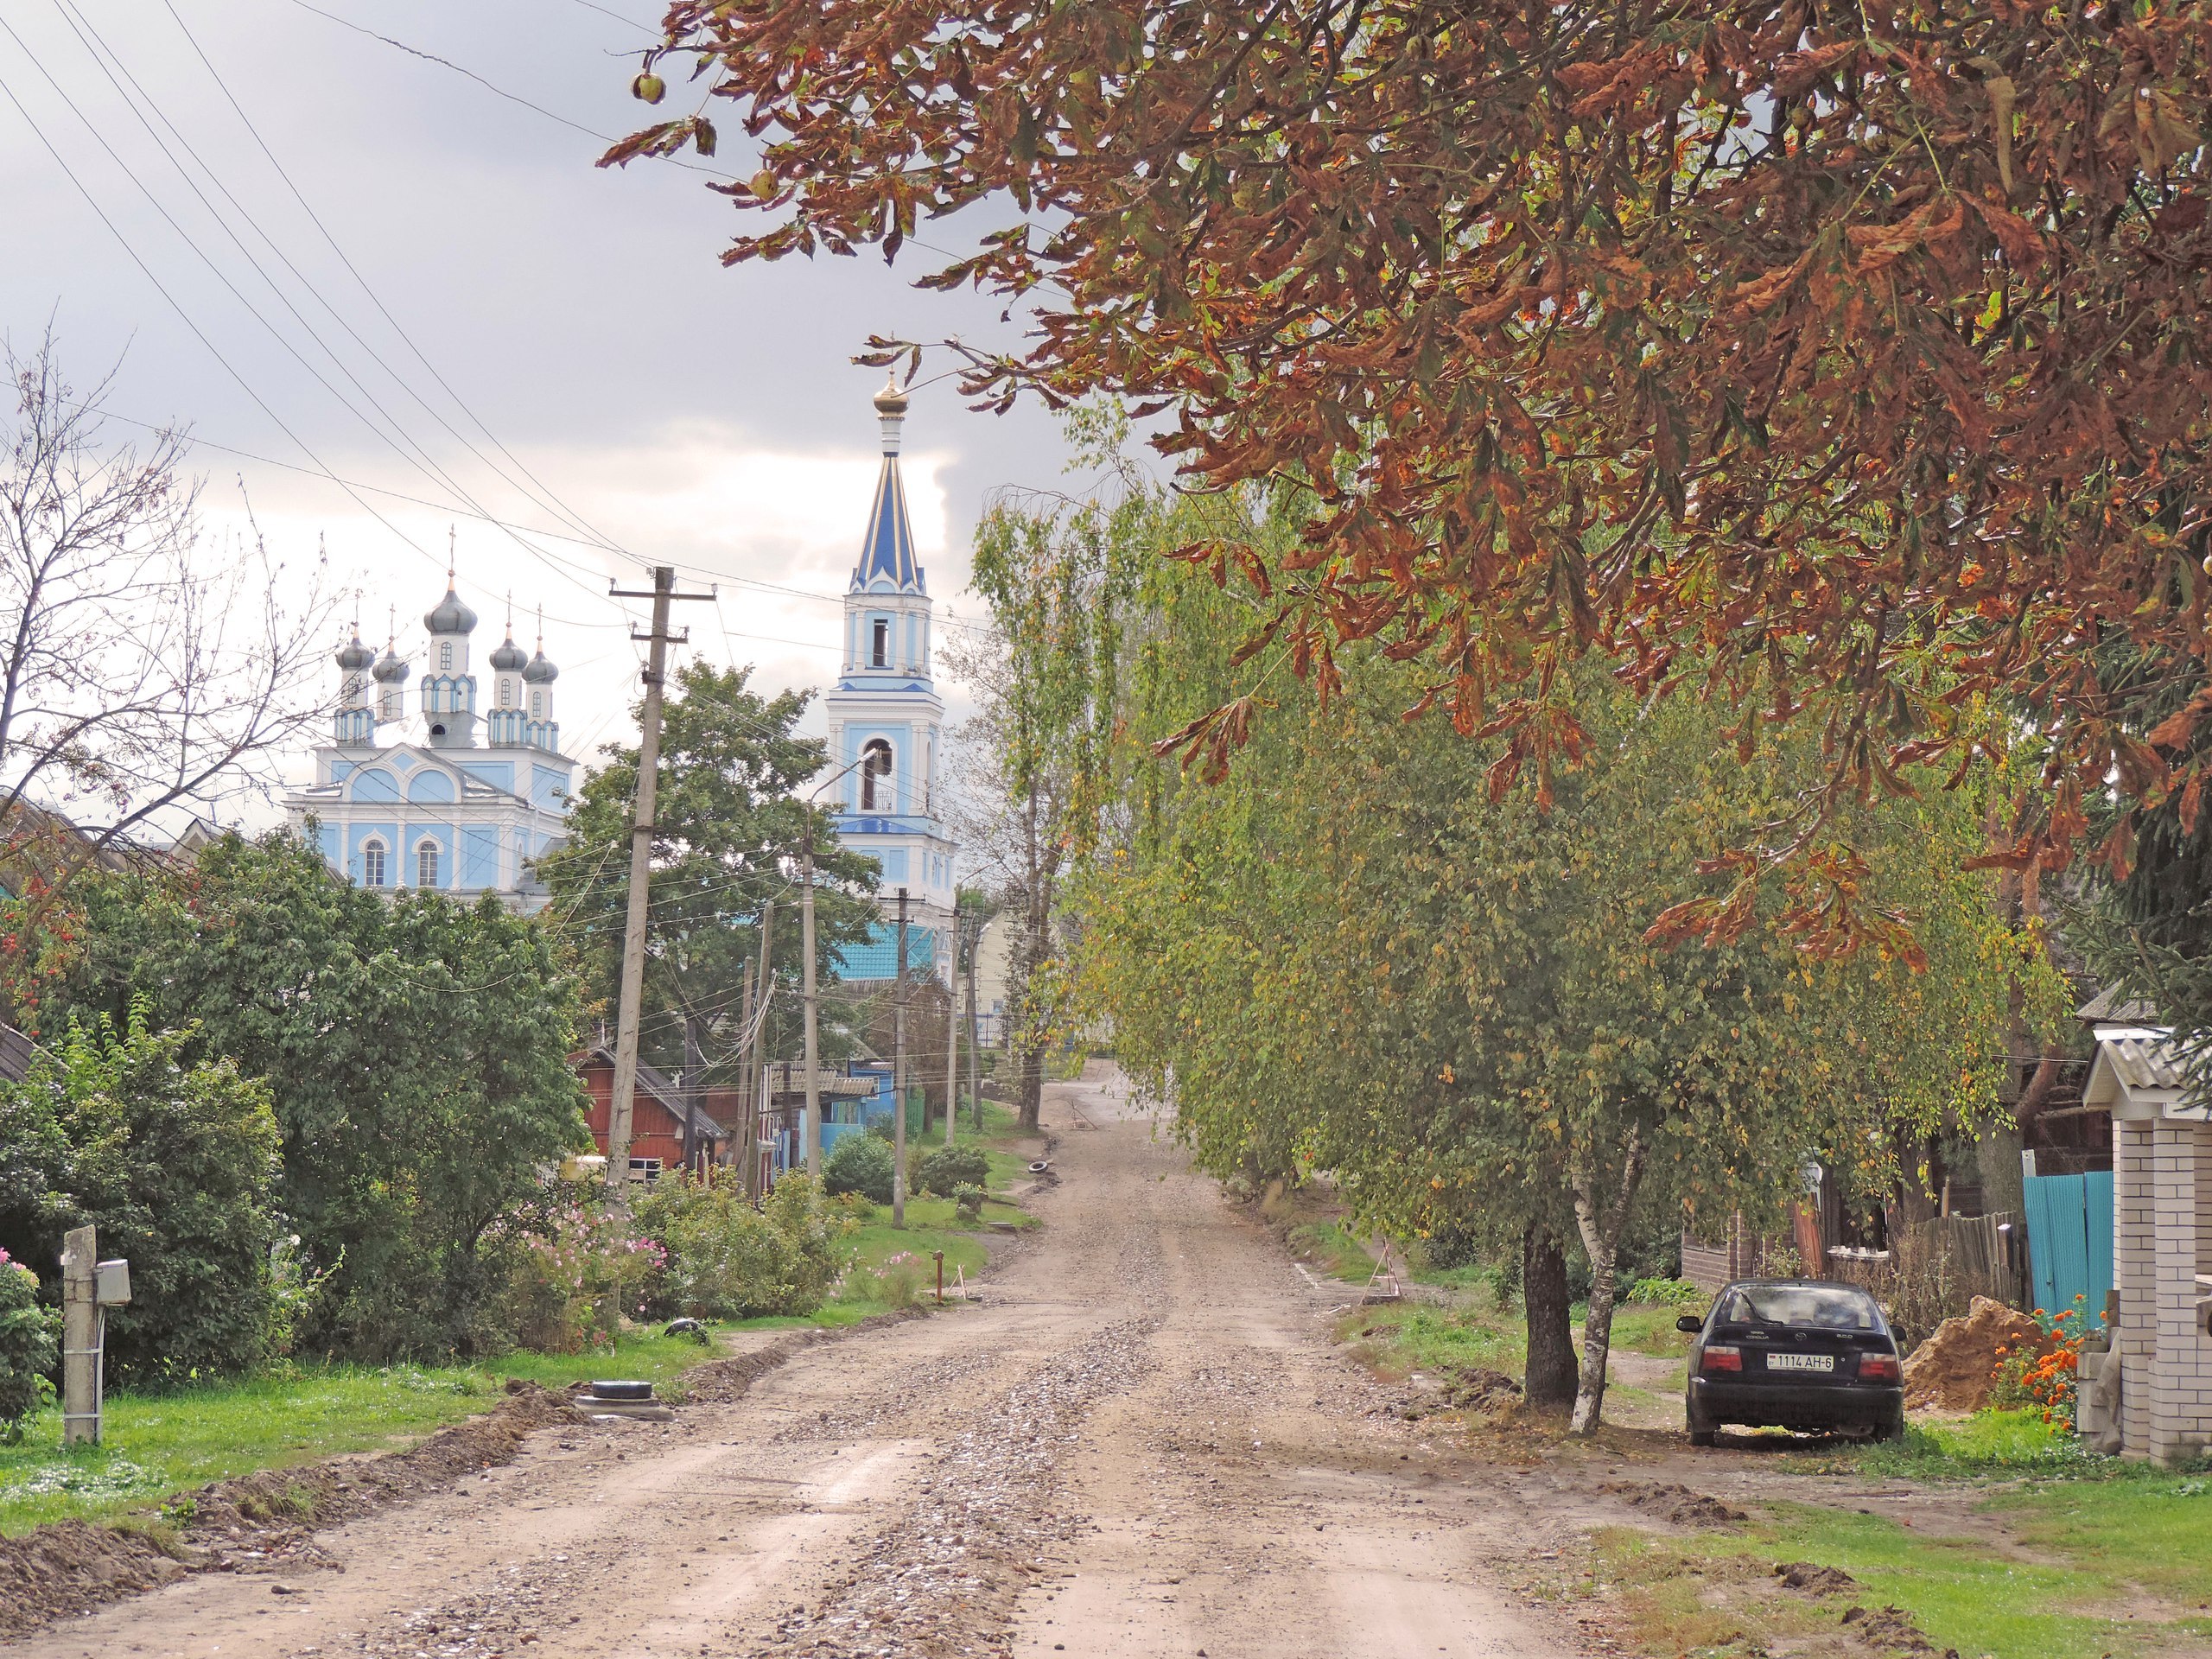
{"x": 1801, "y": 1361}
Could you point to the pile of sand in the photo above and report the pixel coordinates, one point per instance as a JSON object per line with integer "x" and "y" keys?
{"x": 1952, "y": 1370}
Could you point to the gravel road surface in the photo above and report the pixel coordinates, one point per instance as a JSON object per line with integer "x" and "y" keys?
{"x": 1141, "y": 1444}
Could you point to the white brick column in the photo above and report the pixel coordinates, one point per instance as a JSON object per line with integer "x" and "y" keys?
{"x": 2134, "y": 1259}
{"x": 2180, "y": 1374}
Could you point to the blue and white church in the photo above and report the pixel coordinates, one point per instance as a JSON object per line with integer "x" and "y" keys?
{"x": 428, "y": 800}
{"x": 886, "y": 730}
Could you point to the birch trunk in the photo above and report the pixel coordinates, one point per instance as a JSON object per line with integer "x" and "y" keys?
{"x": 1601, "y": 1230}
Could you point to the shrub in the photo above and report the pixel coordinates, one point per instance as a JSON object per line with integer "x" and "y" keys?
{"x": 175, "y": 1164}
{"x": 1665, "y": 1292}
{"x": 969, "y": 1202}
{"x": 727, "y": 1260}
{"x": 861, "y": 1164}
{"x": 27, "y": 1350}
{"x": 896, "y": 1282}
{"x": 954, "y": 1166}
{"x": 557, "y": 1260}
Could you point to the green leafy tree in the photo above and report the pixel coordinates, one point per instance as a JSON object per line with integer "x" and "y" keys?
{"x": 727, "y": 1259}
{"x": 1392, "y": 951}
{"x": 416, "y": 1051}
{"x": 728, "y": 824}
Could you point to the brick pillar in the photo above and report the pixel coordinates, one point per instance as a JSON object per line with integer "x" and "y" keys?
{"x": 2181, "y": 1370}
{"x": 2134, "y": 1274}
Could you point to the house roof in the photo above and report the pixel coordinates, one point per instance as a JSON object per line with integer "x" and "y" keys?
{"x": 16, "y": 1052}
{"x": 788, "y": 1079}
{"x": 2111, "y": 1007}
{"x": 671, "y": 1097}
{"x": 2140, "y": 1072}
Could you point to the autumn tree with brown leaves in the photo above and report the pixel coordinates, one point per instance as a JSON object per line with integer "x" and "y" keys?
{"x": 1847, "y": 361}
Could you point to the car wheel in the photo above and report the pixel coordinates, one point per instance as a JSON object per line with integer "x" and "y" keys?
{"x": 1702, "y": 1432}
{"x": 1891, "y": 1428}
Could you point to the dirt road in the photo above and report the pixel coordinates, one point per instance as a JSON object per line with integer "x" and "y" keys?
{"x": 1141, "y": 1444}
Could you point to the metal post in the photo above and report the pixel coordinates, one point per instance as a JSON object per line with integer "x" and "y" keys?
{"x": 810, "y": 1122}
{"x": 899, "y": 1076}
{"x": 81, "y": 1338}
{"x": 622, "y": 1109}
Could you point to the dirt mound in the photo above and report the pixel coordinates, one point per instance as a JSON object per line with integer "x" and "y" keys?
{"x": 1678, "y": 1505}
{"x": 256, "y": 1522}
{"x": 1891, "y": 1629}
{"x": 1814, "y": 1580}
{"x": 1952, "y": 1371}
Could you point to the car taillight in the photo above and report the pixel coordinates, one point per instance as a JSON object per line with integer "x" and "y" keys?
{"x": 1724, "y": 1359}
{"x": 1879, "y": 1368}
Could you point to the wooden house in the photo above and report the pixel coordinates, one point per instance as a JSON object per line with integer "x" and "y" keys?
{"x": 668, "y": 1128}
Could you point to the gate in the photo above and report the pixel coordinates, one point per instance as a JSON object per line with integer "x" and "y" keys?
{"x": 2070, "y": 1242}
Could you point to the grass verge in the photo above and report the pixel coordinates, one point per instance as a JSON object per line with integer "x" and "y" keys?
{"x": 156, "y": 1445}
{"x": 2065, "y": 1557}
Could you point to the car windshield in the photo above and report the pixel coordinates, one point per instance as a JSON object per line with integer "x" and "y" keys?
{"x": 1831, "y": 1307}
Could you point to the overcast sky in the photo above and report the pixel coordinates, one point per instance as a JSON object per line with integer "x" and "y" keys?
{"x": 705, "y": 417}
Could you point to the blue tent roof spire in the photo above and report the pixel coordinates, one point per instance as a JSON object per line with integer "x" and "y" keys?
{"x": 887, "y": 554}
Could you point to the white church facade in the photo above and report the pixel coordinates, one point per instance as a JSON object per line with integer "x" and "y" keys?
{"x": 887, "y": 731}
{"x": 419, "y": 801}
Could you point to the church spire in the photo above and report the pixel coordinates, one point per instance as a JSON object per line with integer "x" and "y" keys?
{"x": 888, "y": 553}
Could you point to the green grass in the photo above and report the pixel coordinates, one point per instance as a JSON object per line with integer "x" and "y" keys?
{"x": 1329, "y": 1247}
{"x": 2092, "y": 1556}
{"x": 156, "y": 1445}
{"x": 1399, "y": 1338}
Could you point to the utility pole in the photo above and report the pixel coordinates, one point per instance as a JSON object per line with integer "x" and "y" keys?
{"x": 694, "y": 1068}
{"x": 624, "y": 1104}
{"x": 975, "y": 1077}
{"x": 952, "y": 1034}
{"x": 810, "y": 1122}
{"x": 81, "y": 1338}
{"x": 756, "y": 1026}
{"x": 898, "y": 1078}
{"x": 741, "y": 1132}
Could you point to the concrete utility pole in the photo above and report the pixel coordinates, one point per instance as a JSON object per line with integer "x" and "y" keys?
{"x": 898, "y": 1078}
{"x": 81, "y": 1338}
{"x": 809, "y": 1124}
{"x": 952, "y": 1035}
{"x": 757, "y": 998}
{"x": 975, "y": 1077}
{"x": 624, "y": 1104}
{"x": 809, "y": 1121}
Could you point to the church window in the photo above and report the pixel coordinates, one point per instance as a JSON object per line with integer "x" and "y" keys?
{"x": 373, "y": 863}
{"x": 507, "y": 692}
{"x": 426, "y": 865}
{"x": 875, "y": 762}
{"x": 880, "y": 651}
{"x": 537, "y": 704}
{"x": 445, "y": 654}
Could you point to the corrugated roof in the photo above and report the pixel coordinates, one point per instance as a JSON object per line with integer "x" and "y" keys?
{"x": 2144, "y": 1056}
{"x": 879, "y": 958}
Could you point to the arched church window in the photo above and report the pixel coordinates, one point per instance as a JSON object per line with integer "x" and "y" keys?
{"x": 373, "y": 863}
{"x": 880, "y": 650}
{"x": 875, "y": 762}
{"x": 445, "y": 654}
{"x": 536, "y": 703}
{"x": 507, "y": 692}
{"x": 426, "y": 865}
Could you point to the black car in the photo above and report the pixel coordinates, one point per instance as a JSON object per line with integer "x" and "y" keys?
{"x": 1793, "y": 1353}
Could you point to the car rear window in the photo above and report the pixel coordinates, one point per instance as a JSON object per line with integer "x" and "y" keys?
{"x": 1827, "y": 1306}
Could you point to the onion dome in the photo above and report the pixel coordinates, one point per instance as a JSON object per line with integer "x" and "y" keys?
{"x": 891, "y": 400}
{"x": 354, "y": 656}
{"x": 540, "y": 672}
{"x": 508, "y": 655}
{"x": 391, "y": 667}
{"x": 449, "y": 615}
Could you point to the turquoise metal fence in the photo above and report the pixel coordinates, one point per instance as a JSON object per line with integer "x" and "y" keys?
{"x": 2070, "y": 1241}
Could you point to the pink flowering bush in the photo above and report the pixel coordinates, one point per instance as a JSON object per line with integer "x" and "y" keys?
{"x": 563, "y": 1255}
{"x": 724, "y": 1259}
